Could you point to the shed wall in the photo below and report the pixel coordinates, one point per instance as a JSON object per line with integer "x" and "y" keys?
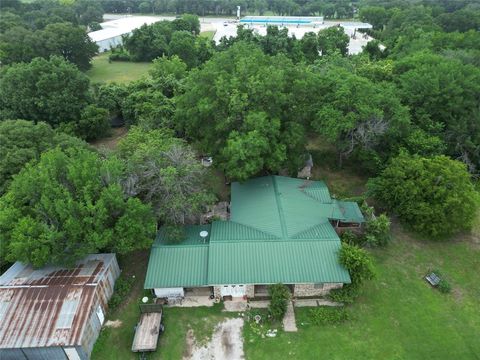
{"x": 104, "y": 292}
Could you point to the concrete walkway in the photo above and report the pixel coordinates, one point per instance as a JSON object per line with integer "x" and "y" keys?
{"x": 289, "y": 324}
{"x": 259, "y": 304}
{"x": 192, "y": 301}
{"x": 235, "y": 305}
{"x": 315, "y": 302}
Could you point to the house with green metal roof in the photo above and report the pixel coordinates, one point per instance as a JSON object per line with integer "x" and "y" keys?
{"x": 281, "y": 230}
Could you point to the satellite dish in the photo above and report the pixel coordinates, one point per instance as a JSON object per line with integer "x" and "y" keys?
{"x": 203, "y": 235}
{"x": 145, "y": 299}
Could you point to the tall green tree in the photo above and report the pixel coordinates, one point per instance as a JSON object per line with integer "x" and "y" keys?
{"x": 23, "y": 141}
{"x": 442, "y": 95}
{"x": 164, "y": 172}
{"x": 70, "y": 42}
{"x": 53, "y": 91}
{"x": 75, "y": 206}
{"x": 434, "y": 196}
{"x": 358, "y": 115}
{"x": 333, "y": 39}
{"x": 242, "y": 97}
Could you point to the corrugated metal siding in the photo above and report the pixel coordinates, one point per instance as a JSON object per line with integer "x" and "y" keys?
{"x": 323, "y": 231}
{"x": 12, "y": 354}
{"x": 263, "y": 262}
{"x": 350, "y": 211}
{"x": 45, "y": 353}
{"x": 254, "y": 204}
{"x": 230, "y": 230}
{"x": 177, "y": 266}
{"x": 192, "y": 235}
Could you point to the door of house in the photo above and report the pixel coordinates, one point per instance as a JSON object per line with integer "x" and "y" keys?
{"x": 233, "y": 290}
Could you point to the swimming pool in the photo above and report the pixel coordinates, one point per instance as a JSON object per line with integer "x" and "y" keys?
{"x": 285, "y": 20}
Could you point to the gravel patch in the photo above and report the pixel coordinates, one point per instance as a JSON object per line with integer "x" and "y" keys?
{"x": 226, "y": 343}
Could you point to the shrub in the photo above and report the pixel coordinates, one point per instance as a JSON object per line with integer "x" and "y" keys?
{"x": 351, "y": 238}
{"x": 434, "y": 196}
{"x": 279, "y": 294}
{"x": 358, "y": 263}
{"x": 121, "y": 290}
{"x": 93, "y": 124}
{"x": 346, "y": 294}
{"x": 174, "y": 234}
{"x": 377, "y": 230}
{"x": 120, "y": 54}
{"x": 328, "y": 316}
{"x": 444, "y": 286}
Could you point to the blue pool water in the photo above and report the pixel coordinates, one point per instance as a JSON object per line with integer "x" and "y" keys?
{"x": 274, "y": 21}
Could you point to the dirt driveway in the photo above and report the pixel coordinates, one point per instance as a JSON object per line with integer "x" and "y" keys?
{"x": 226, "y": 343}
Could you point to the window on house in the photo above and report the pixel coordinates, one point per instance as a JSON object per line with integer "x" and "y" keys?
{"x": 318, "y": 286}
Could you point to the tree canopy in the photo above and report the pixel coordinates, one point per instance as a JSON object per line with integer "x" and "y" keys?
{"x": 68, "y": 205}
{"x": 164, "y": 172}
{"x": 53, "y": 91}
{"x": 432, "y": 195}
{"x": 235, "y": 107}
{"x": 22, "y": 141}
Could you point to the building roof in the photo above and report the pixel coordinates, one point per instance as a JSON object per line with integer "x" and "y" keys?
{"x": 279, "y": 231}
{"x": 122, "y": 26}
{"x": 48, "y": 306}
{"x": 185, "y": 263}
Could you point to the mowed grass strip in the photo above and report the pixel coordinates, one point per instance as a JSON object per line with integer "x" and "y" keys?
{"x": 208, "y": 34}
{"x": 116, "y": 71}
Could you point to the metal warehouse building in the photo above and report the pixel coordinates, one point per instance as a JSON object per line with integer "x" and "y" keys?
{"x": 112, "y": 31}
{"x": 55, "y": 313}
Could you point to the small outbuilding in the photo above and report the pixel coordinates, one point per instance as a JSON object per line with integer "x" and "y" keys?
{"x": 55, "y": 313}
{"x": 112, "y": 32}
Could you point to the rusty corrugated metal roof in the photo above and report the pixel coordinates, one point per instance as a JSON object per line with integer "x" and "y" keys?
{"x": 49, "y": 306}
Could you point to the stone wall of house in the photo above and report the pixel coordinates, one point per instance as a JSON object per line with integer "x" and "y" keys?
{"x": 250, "y": 291}
{"x": 306, "y": 290}
{"x": 216, "y": 292}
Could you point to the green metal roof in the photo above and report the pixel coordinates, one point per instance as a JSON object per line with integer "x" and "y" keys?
{"x": 279, "y": 231}
{"x": 192, "y": 236}
{"x": 269, "y": 262}
{"x": 350, "y": 211}
{"x": 177, "y": 266}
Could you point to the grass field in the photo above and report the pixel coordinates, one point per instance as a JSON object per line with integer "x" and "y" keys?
{"x": 398, "y": 315}
{"x": 116, "y": 71}
{"x": 208, "y": 34}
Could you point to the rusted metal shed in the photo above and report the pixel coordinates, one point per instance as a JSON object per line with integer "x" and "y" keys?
{"x": 55, "y": 313}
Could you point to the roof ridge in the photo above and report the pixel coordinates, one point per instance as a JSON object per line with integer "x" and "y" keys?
{"x": 281, "y": 214}
{"x": 251, "y": 227}
{"x": 298, "y": 234}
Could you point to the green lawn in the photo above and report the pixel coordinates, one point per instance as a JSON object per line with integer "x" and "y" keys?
{"x": 208, "y": 34}
{"x": 116, "y": 71}
{"x": 398, "y": 315}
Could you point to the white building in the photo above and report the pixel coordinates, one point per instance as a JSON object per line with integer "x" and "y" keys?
{"x": 112, "y": 31}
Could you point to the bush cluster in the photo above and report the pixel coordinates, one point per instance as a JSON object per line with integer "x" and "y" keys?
{"x": 279, "y": 294}
{"x": 328, "y": 315}
{"x": 122, "y": 288}
{"x": 360, "y": 266}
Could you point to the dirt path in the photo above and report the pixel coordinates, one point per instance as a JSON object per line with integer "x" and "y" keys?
{"x": 226, "y": 343}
